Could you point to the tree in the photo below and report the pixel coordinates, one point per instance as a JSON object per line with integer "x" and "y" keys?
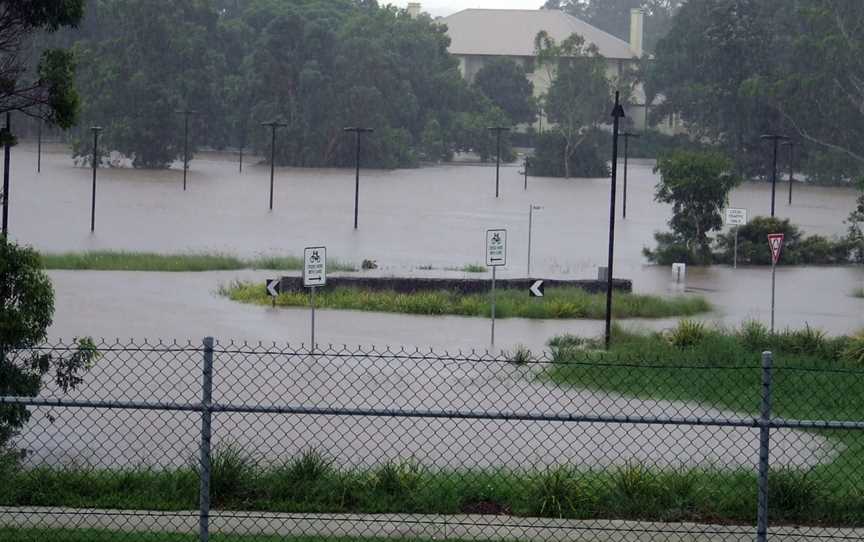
{"x": 504, "y": 82}
{"x": 45, "y": 91}
{"x": 578, "y": 99}
{"x": 697, "y": 185}
{"x": 26, "y": 309}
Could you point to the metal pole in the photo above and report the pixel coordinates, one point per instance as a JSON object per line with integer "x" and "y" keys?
{"x": 764, "y": 447}
{"x": 185, "y": 147}
{"x": 7, "y": 151}
{"x": 95, "y": 164}
{"x": 312, "y": 302}
{"x": 530, "y": 220}
{"x": 735, "y": 254}
{"x": 356, "y": 176}
{"x": 773, "y": 177}
{"x": 241, "y": 159}
{"x": 497, "y": 159}
{"x": 773, "y": 282}
{"x": 791, "y": 179}
{"x": 526, "y": 174}
{"x": 39, "y": 147}
{"x": 272, "y": 160}
{"x": 493, "y": 305}
{"x": 617, "y": 114}
{"x": 206, "y": 434}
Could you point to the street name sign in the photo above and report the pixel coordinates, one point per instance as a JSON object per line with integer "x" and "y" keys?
{"x": 536, "y": 289}
{"x": 775, "y": 241}
{"x": 314, "y": 266}
{"x": 273, "y": 287}
{"x": 736, "y": 217}
{"x": 496, "y": 248}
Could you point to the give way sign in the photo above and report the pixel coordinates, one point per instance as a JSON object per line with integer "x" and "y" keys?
{"x": 775, "y": 241}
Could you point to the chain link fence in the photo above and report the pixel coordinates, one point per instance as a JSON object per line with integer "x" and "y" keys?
{"x": 243, "y": 442}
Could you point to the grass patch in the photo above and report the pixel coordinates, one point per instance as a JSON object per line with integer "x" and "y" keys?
{"x": 98, "y": 535}
{"x": 109, "y": 260}
{"x": 567, "y": 302}
{"x": 312, "y": 484}
{"x": 858, "y": 292}
{"x": 816, "y": 377}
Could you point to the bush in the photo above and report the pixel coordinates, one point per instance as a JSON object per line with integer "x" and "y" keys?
{"x": 589, "y": 160}
{"x": 753, "y": 246}
{"x": 854, "y": 350}
{"x": 687, "y": 334}
{"x": 557, "y": 493}
{"x": 652, "y": 144}
{"x": 672, "y": 248}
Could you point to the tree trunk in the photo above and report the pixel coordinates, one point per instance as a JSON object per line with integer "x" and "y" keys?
{"x": 566, "y": 159}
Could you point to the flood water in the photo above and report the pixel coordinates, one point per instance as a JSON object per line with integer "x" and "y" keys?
{"x": 433, "y": 216}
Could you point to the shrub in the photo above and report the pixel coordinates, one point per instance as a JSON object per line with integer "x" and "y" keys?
{"x": 687, "y": 334}
{"x": 589, "y": 159}
{"x": 754, "y": 335}
{"x": 792, "y": 491}
{"x": 309, "y": 467}
{"x": 520, "y": 355}
{"x": 231, "y": 471}
{"x": 557, "y": 493}
{"x": 398, "y": 478}
{"x": 801, "y": 341}
{"x": 672, "y": 248}
{"x": 753, "y": 245}
{"x": 854, "y": 350}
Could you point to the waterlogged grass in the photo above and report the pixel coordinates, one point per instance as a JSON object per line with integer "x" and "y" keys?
{"x": 96, "y": 535}
{"x": 312, "y": 484}
{"x": 815, "y": 377}
{"x": 569, "y": 302}
{"x": 109, "y": 260}
{"x": 858, "y": 292}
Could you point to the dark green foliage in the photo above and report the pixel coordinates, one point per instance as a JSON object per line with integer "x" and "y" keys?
{"x": 505, "y": 83}
{"x": 653, "y": 144}
{"x": 697, "y": 185}
{"x": 587, "y": 160}
{"x": 673, "y": 248}
{"x": 25, "y": 314}
{"x": 45, "y": 90}
{"x": 753, "y": 246}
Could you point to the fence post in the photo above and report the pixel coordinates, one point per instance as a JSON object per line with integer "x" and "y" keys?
{"x": 206, "y": 397}
{"x": 764, "y": 447}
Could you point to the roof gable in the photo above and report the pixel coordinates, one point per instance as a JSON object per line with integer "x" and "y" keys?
{"x": 511, "y": 32}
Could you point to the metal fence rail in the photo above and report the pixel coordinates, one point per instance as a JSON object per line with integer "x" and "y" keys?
{"x": 251, "y": 439}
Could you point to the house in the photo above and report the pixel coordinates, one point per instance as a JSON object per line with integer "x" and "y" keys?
{"x": 476, "y": 35}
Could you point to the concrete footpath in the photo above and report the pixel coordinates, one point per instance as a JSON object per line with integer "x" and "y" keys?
{"x": 405, "y": 526}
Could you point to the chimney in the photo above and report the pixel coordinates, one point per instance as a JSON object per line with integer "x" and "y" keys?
{"x": 637, "y": 26}
{"x": 413, "y": 9}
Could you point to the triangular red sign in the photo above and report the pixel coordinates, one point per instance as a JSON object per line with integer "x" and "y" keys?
{"x": 775, "y": 241}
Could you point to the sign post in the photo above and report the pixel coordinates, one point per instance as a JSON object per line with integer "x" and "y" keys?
{"x": 775, "y": 241}
{"x": 314, "y": 275}
{"x": 274, "y": 286}
{"x": 496, "y": 256}
{"x": 736, "y": 217}
{"x": 531, "y": 209}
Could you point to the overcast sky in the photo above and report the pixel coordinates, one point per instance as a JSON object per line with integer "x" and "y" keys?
{"x": 446, "y": 7}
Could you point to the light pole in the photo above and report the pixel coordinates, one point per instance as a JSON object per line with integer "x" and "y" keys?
{"x": 617, "y": 115}
{"x": 357, "y": 131}
{"x": 774, "y": 138}
{"x": 791, "y": 145}
{"x": 39, "y": 145}
{"x": 185, "y": 113}
{"x": 497, "y": 130}
{"x": 273, "y": 124}
{"x": 531, "y": 209}
{"x": 95, "y": 130}
{"x": 7, "y": 151}
{"x": 626, "y": 136}
{"x": 525, "y": 165}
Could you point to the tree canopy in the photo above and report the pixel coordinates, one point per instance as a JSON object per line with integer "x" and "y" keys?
{"x": 45, "y": 88}
{"x": 505, "y": 83}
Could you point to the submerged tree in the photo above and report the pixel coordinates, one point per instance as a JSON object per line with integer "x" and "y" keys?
{"x": 505, "y": 83}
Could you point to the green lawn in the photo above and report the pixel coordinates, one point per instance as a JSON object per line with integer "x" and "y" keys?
{"x": 109, "y": 260}
{"x": 93, "y": 535}
{"x": 568, "y": 302}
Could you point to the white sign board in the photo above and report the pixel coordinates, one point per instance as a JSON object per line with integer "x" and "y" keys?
{"x": 314, "y": 266}
{"x": 736, "y": 217}
{"x": 679, "y": 271}
{"x": 496, "y": 248}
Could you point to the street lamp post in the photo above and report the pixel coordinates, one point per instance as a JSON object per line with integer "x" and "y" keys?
{"x": 774, "y": 138}
{"x": 497, "y": 130}
{"x": 531, "y": 209}
{"x": 526, "y": 174}
{"x": 357, "y": 131}
{"x": 791, "y": 145}
{"x": 617, "y": 115}
{"x": 185, "y": 113}
{"x": 95, "y": 160}
{"x": 273, "y": 124}
{"x": 39, "y": 145}
{"x": 7, "y": 151}
{"x": 626, "y": 136}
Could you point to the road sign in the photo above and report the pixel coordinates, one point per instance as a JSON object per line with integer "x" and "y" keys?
{"x": 536, "y": 289}
{"x": 775, "y": 241}
{"x": 496, "y": 248}
{"x": 736, "y": 217}
{"x": 314, "y": 266}
{"x": 273, "y": 287}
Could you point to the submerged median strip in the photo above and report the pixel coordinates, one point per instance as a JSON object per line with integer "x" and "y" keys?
{"x": 561, "y": 302}
{"x": 109, "y": 260}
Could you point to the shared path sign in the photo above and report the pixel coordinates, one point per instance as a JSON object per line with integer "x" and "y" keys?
{"x": 496, "y": 248}
{"x": 314, "y": 266}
